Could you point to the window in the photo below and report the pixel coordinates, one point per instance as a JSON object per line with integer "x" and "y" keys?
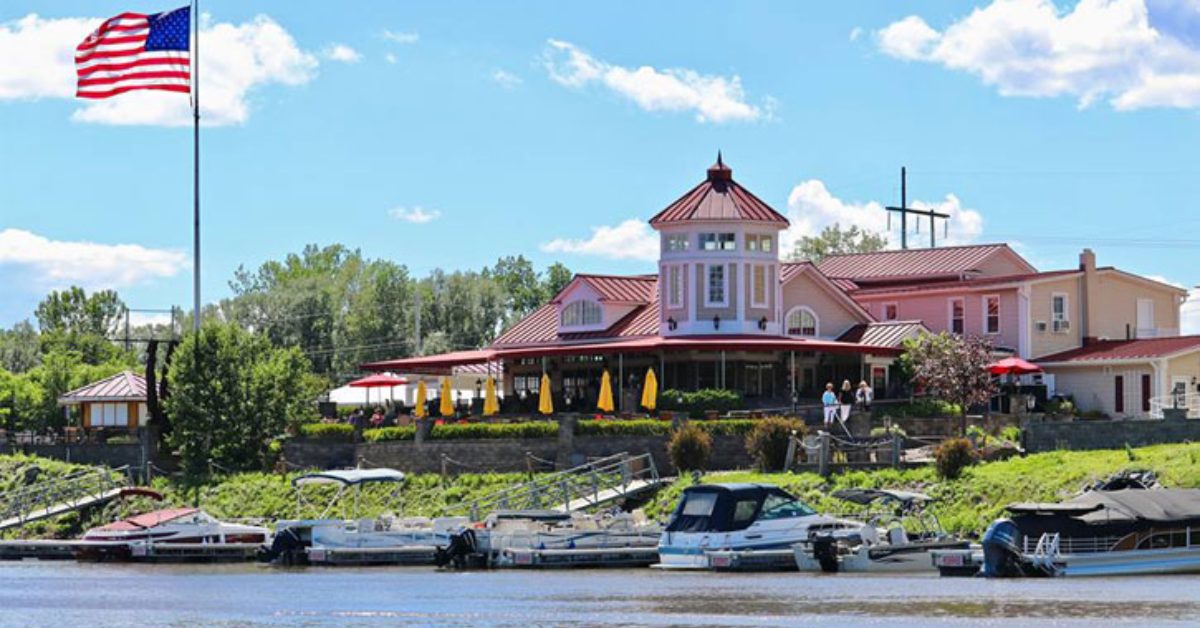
{"x": 758, "y": 242}
{"x": 1145, "y": 392}
{"x": 716, "y": 285}
{"x": 744, "y": 511}
{"x": 1058, "y": 307}
{"x": 676, "y": 242}
{"x": 527, "y": 384}
{"x": 958, "y": 316}
{"x": 674, "y": 287}
{"x": 891, "y": 311}
{"x": 581, "y": 313}
{"x": 758, "y": 285}
{"x": 108, "y": 414}
{"x": 699, "y": 504}
{"x": 778, "y": 507}
{"x": 1119, "y": 394}
{"x": 717, "y": 242}
{"x": 801, "y": 321}
{"x": 991, "y": 314}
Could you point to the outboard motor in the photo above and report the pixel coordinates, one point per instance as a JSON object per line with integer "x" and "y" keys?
{"x": 461, "y": 548}
{"x": 825, "y": 550}
{"x": 287, "y": 548}
{"x": 1002, "y": 556}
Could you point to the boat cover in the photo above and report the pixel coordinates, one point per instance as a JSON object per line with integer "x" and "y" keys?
{"x": 722, "y": 507}
{"x": 1124, "y": 506}
{"x": 350, "y": 477}
{"x": 864, "y": 496}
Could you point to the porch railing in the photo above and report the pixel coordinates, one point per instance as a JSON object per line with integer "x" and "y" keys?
{"x": 1189, "y": 402}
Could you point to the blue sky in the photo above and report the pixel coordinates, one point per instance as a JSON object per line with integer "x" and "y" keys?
{"x": 449, "y": 134}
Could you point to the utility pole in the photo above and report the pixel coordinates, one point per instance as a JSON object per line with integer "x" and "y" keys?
{"x": 904, "y": 210}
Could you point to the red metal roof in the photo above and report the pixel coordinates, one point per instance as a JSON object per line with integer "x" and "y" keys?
{"x": 694, "y": 343}
{"x": 541, "y": 325}
{"x": 124, "y": 386}
{"x": 718, "y": 197}
{"x": 890, "y": 334}
{"x": 933, "y": 285}
{"x": 432, "y": 363}
{"x": 619, "y": 289}
{"x": 1121, "y": 350}
{"x": 910, "y": 263}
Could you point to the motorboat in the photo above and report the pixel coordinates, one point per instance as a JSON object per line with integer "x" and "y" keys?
{"x": 901, "y": 535}
{"x": 1098, "y": 533}
{"x": 728, "y": 519}
{"x": 383, "y": 539}
{"x": 519, "y": 538}
{"x": 175, "y": 533}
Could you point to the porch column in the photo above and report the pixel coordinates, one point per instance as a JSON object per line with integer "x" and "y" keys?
{"x": 723, "y": 386}
{"x": 620, "y": 382}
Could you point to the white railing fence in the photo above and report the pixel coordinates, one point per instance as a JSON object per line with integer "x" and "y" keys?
{"x": 1187, "y": 401}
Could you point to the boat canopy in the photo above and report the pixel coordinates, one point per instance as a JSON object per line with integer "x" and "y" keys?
{"x": 1124, "y": 506}
{"x": 732, "y": 507}
{"x": 865, "y": 496}
{"x": 349, "y": 477}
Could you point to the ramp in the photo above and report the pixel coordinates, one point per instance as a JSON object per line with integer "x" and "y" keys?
{"x": 590, "y": 485}
{"x": 57, "y": 496}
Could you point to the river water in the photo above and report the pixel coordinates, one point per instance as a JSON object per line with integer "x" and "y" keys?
{"x": 65, "y": 594}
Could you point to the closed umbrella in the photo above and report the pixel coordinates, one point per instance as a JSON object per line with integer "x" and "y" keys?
{"x": 447, "y": 406}
{"x": 545, "y": 403}
{"x": 490, "y": 404}
{"x": 420, "y": 409}
{"x": 650, "y": 391}
{"x": 605, "y": 402}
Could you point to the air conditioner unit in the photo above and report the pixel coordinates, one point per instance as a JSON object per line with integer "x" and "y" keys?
{"x": 1062, "y": 326}
{"x": 1040, "y": 326}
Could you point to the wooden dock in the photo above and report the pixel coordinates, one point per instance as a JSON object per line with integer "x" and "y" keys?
{"x": 134, "y": 552}
{"x": 610, "y": 557}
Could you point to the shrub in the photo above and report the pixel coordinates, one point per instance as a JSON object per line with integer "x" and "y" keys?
{"x": 883, "y": 432}
{"x": 337, "y": 432}
{"x": 690, "y": 448}
{"x": 540, "y": 429}
{"x": 380, "y": 434}
{"x": 767, "y": 443}
{"x": 1012, "y": 434}
{"x": 952, "y": 456}
{"x": 919, "y": 408}
{"x": 727, "y": 427}
{"x": 636, "y": 427}
{"x": 695, "y": 404}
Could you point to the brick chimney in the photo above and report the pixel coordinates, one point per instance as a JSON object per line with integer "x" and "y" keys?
{"x": 1088, "y": 287}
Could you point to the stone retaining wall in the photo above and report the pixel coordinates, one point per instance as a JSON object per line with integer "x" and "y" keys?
{"x": 1084, "y": 435}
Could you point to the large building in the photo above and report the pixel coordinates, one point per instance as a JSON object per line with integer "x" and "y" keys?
{"x": 724, "y": 311}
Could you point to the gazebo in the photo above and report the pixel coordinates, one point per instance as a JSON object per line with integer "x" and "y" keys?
{"x": 117, "y": 402}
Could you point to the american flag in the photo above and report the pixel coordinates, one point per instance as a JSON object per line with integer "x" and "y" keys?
{"x": 136, "y": 51}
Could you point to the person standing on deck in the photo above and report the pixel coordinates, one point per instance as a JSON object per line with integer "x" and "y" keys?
{"x": 830, "y": 401}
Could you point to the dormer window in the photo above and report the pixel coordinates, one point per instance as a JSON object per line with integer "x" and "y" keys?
{"x": 802, "y": 321}
{"x": 675, "y": 242}
{"x": 717, "y": 242}
{"x": 758, "y": 242}
{"x": 581, "y": 314}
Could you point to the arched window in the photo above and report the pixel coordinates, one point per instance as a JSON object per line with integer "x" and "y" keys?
{"x": 578, "y": 313}
{"x": 802, "y": 321}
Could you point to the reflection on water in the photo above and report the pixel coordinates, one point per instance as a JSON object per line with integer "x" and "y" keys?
{"x": 69, "y": 594}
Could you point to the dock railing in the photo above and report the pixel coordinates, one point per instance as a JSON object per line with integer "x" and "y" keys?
{"x": 59, "y": 495}
{"x": 579, "y": 488}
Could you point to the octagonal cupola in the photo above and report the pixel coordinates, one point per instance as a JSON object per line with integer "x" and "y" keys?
{"x": 719, "y": 259}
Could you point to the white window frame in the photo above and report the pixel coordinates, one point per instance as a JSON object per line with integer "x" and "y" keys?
{"x": 675, "y": 278}
{"x": 755, "y": 269}
{"x": 999, "y": 310}
{"x": 718, "y": 238}
{"x": 950, "y": 315}
{"x": 1066, "y": 310}
{"x": 884, "y": 307}
{"x": 670, "y": 238}
{"x": 787, "y": 329}
{"x": 759, "y": 242}
{"x": 582, "y": 305}
{"x": 708, "y": 302}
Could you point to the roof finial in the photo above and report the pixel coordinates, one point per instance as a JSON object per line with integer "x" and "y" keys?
{"x": 719, "y": 162}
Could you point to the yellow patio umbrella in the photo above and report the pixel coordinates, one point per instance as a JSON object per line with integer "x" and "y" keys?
{"x": 419, "y": 411}
{"x": 491, "y": 405}
{"x": 446, "y": 408}
{"x": 605, "y": 402}
{"x": 545, "y": 403}
{"x": 650, "y": 391}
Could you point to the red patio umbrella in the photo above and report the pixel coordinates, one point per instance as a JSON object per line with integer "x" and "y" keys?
{"x": 378, "y": 380}
{"x": 1013, "y": 366}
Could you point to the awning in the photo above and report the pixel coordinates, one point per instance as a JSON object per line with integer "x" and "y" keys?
{"x": 350, "y": 477}
{"x": 433, "y": 364}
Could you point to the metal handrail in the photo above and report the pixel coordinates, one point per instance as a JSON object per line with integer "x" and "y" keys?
{"x": 70, "y": 490}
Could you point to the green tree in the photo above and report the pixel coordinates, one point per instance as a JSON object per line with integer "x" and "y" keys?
{"x": 19, "y": 347}
{"x": 522, "y": 288}
{"x": 952, "y": 368}
{"x": 834, "y": 240}
{"x": 73, "y": 320}
{"x": 231, "y": 393}
{"x": 557, "y": 278}
{"x": 61, "y": 371}
{"x": 20, "y": 401}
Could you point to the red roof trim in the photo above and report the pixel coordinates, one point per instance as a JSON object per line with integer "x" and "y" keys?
{"x": 1100, "y": 351}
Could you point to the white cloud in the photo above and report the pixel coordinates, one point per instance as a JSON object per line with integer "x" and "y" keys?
{"x": 415, "y": 215}
{"x": 235, "y": 60}
{"x": 507, "y": 80}
{"x": 1099, "y": 49}
{"x": 390, "y": 58}
{"x": 632, "y": 239}
{"x": 342, "y": 53}
{"x": 712, "y": 98}
{"x": 401, "y": 38}
{"x": 58, "y": 263}
{"x": 811, "y": 207}
{"x": 138, "y": 319}
{"x": 855, "y": 33}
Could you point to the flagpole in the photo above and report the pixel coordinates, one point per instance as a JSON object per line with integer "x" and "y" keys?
{"x": 195, "y": 45}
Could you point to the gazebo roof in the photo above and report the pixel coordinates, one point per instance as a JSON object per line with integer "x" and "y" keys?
{"x": 124, "y": 386}
{"x": 719, "y": 198}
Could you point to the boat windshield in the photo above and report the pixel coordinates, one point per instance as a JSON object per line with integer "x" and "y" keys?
{"x": 780, "y": 507}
